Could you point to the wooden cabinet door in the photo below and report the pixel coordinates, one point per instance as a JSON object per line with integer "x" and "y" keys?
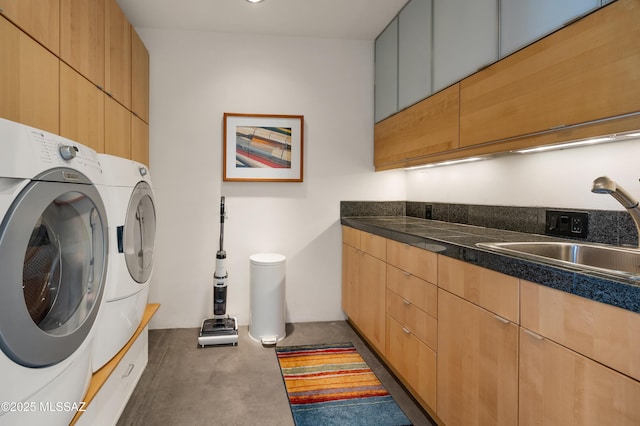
{"x": 428, "y": 127}
{"x": 117, "y": 77}
{"x": 38, "y": 18}
{"x": 139, "y": 140}
{"x": 350, "y": 279}
{"x": 139, "y": 77}
{"x": 29, "y": 83}
{"x": 364, "y": 284}
{"x": 581, "y": 73}
{"x": 371, "y": 300}
{"x": 117, "y": 129}
{"x": 82, "y": 37}
{"x": 81, "y": 109}
{"x": 561, "y": 387}
{"x": 477, "y": 365}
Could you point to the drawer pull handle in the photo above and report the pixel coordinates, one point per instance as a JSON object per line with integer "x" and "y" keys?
{"x": 406, "y": 302}
{"x": 534, "y": 335}
{"x": 407, "y": 274}
{"x": 502, "y": 320}
{"x": 406, "y": 330}
{"x": 129, "y": 370}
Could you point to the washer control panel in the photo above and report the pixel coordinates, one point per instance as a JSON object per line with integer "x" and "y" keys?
{"x": 55, "y": 150}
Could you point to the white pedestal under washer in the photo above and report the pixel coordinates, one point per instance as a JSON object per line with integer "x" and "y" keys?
{"x": 132, "y": 227}
{"x": 53, "y": 261}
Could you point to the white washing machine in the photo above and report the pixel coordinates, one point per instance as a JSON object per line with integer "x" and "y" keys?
{"x": 132, "y": 228}
{"x": 53, "y": 262}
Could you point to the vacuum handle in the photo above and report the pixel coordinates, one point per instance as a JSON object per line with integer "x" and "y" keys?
{"x": 222, "y": 213}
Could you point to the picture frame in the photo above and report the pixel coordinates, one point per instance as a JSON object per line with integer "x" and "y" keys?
{"x": 263, "y": 147}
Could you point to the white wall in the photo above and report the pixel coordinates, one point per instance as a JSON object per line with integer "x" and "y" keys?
{"x": 560, "y": 179}
{"x": 195, "y": 78}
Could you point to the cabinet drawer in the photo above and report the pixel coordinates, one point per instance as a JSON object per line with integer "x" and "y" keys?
{"x": 374, "y": 245}
{"x": 413, "y": 361}
{"x": 413, "y": 319}
{"x": 602, "y": 332}
{"x": 112, "y": 398}
{"x": 416, "y": 261}
{"x": 351, "y": 236}
{"x": 415, "y": 290}
{"x": 491, "y": 290}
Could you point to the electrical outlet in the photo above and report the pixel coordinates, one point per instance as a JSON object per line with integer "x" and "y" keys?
{"x": 428, "y": 211}
{"x": 567, "y": 224}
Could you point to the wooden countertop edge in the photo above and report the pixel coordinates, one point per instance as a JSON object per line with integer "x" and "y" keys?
{"x": 100, "y": 377}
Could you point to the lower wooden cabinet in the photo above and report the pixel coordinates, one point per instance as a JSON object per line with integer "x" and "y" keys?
{"x": 477, "y": 365}
{"x": 363, "y": 287}
{"x": 476, "y": 347}
{"x": 561, "y": 387}
{"x": 413, "y": 360}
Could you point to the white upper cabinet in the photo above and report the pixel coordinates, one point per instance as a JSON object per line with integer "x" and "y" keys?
{"x": 414, "y": 52}
{"x": 386, "y": 72}
{"x": 465, "y": 39}
{"x": 525, "y": 21}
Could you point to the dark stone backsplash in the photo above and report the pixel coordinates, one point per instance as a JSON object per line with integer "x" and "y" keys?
{"x": 608, "y": 227}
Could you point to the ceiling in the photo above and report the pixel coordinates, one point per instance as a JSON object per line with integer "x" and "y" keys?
{"x": 343, "y": 19}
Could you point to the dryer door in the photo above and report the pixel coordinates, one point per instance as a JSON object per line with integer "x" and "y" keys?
{"x": 140, "y": 233}
{"x": 53, "y": 260}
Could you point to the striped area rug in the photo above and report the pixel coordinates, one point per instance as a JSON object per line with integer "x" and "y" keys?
{"x": 332, "y": 385}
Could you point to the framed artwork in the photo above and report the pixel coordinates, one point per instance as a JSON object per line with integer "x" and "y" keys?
{"x": 261, "y": 147}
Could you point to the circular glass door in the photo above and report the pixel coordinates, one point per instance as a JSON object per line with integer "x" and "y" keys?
{"x": 140, "y": 233}
{"x": 53, "y": 248}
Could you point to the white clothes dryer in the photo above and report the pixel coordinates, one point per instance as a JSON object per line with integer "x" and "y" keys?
{"x": 132, "y": 218}
{"x": 53, "y": 262}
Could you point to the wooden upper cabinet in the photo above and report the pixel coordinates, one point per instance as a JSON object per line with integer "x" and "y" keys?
{"x": 581, "y": 73}
{"x": 139, "y": 140}
{"x": 428, "y": 127}
{"x": 117, "y": 78}
{"x": 38, "y": 18}
{"x": 82, "y": 37}
{"x": 29, "y": 87}
{"x": 117, "y": 129}
{"x": 81, "y": 109}
{"x": 139, "y": 77}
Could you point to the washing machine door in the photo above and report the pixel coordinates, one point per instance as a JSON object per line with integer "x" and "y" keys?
{"x": 140, "y": 233}
{"x": 53, "y": 248}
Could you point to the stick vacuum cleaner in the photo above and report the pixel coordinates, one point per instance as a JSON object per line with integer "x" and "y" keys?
{"x": 221, "y": 329}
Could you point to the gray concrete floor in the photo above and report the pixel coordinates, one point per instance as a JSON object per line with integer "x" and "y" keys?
{"x": 184, "y": 384}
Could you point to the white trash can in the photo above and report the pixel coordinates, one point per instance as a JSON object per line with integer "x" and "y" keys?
{"x": 267, "y": 282}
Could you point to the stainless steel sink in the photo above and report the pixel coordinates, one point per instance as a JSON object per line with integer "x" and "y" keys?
{"x": 608, "y": 259}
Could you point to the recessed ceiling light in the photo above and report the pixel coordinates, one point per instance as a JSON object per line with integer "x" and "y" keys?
{"x": 254, "y": 1}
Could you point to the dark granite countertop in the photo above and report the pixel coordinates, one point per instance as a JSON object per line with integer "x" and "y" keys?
{"x": 459, "y": 241}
